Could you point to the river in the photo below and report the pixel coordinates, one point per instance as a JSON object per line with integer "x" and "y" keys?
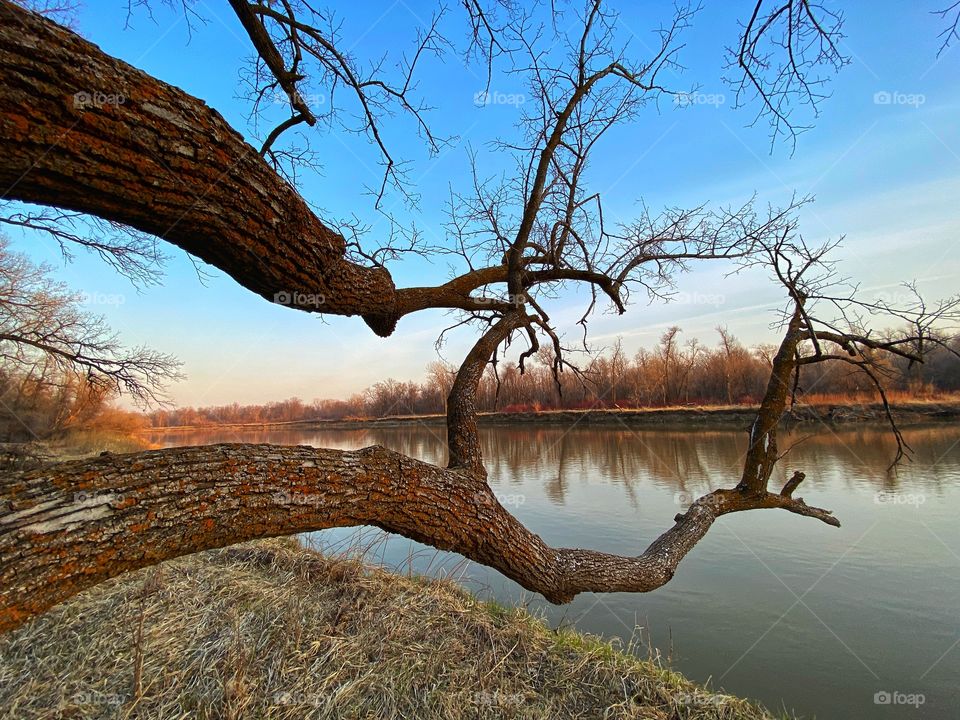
{"x": 856, "y": 622}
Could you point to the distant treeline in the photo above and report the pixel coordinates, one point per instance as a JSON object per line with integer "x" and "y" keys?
{"x": 672, "y": 373}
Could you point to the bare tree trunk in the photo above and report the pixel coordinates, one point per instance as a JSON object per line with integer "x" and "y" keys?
{"x": 462, "y": 437}
{"x": 762, "y": 453}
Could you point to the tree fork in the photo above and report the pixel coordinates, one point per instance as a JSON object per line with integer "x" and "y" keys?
{"x": 86, "y": 132}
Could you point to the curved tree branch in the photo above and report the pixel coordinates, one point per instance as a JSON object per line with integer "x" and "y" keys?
{"x": 70, "y": 526}
{"x": 86, "y": 132}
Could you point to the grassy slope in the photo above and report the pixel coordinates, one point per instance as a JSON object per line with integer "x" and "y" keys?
{"x": 271, "y": 630}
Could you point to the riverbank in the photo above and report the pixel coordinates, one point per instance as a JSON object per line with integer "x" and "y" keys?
{"x": 73, "y": 445}
{"x": 274, "y": 630}
{"x": 916, "y": 412}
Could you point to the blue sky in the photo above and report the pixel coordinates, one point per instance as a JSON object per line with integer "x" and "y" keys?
{"x": 886, "y": 176}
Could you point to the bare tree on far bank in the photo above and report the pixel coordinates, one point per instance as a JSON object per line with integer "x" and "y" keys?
{"x": 60, "y": 364}
{"x": 728, "y": 374}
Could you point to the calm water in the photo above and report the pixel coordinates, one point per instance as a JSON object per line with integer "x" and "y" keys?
{"x": 769, "y": 605}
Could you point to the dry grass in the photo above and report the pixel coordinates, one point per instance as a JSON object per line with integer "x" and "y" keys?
{"x": 78, "y": 443}
{"x": 272, "y": 630}
{"x": 895, "y": 397}
{"x": 70, "y": 445}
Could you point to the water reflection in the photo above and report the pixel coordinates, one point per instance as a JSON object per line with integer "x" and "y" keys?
{"x": 683, "y": 461}
{"x": 769, "y": 604}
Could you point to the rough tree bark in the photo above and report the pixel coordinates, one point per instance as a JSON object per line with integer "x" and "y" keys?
{"x": 762, "y": 453}
{"x": 165, "y": 163}
{"x": 70, "y": 526}
{"x": 84, "y": 131}
{"x": 463, "y": 441}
